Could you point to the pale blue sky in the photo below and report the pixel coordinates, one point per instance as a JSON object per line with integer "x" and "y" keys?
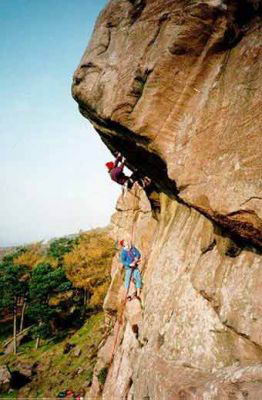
{"x": 52, "y": 176}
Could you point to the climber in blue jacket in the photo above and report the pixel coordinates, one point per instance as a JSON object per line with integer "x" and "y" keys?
{"x": 130, "y": 257}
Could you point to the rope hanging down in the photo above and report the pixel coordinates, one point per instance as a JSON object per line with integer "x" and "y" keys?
{"x": 120, "y": 320}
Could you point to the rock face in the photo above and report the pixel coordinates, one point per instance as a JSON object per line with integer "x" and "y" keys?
{"x": 198, "y": 334}
{"x": 174, "y": 86}
{"x": 5, "y": 379}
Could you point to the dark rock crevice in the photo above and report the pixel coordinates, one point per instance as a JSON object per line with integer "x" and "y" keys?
{"x": 135, "y": 93}
{"x": 139, "y": 83}
{"x": 137, "y": 9}
{"x": 240, "y": 15}
{"x": 210, "y": 247}
{"x": 138, "y": 158}
{"x": 251, "y": 198}
{"x": 133, "y": 210}
{"x": 83, "y": 71}
{"x": 104, "y": 46}
{"x": 243, "y": 226}
{"x": 246, "y": 11}
{"x": 243, "y": 335}
{"x": 161, "y": 21}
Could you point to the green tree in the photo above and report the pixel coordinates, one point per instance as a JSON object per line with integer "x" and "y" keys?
{"x": 59, "y": 247}
{"x": 14, "y": 287}
{"x": 45, "y": 282}
{"x": 9, "y": 258}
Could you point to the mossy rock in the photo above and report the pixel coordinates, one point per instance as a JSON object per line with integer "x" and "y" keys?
{"x": 227, "y": 246}
{"x": 102, "y": 375}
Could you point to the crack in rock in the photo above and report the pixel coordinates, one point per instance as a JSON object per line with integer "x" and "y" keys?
{"x": 216, "y": 308}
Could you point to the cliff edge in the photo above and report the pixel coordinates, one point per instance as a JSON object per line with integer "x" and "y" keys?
{"x": 175, "y": 87}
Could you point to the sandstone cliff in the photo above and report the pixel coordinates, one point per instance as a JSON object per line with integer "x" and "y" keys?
{"x": 174, "y": 86}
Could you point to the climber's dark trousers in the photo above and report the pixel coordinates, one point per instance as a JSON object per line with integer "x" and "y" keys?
{"x": 135, "y": 177}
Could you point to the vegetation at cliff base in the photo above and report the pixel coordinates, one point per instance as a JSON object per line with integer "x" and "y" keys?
{"x": 51, "y": 310}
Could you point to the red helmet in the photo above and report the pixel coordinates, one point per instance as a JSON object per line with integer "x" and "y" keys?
{"x": 122, "y": 242}
{"x": 110, "y": 165}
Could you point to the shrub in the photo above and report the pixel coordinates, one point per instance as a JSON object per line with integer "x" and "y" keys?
{"x": 88, "y": 265}
{"x": 102, "y": 375}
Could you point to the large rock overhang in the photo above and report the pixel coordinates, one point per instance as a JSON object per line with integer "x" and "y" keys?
{"x": 174, "y": 86}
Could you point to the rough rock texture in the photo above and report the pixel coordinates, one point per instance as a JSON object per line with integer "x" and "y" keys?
{"x": 174, "y": 86}
{"x": 5, "y": 379}
{"x": 198, "y": 334}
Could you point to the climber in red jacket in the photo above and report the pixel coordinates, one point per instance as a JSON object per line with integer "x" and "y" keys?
{"x": 115, "y": 170}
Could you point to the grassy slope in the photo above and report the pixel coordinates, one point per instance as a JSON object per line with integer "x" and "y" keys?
{"x": 58, "y": 371}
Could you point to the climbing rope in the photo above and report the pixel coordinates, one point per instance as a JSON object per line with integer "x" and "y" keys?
{"x": 120, "y": 319}
{"x": 134, "y": 222}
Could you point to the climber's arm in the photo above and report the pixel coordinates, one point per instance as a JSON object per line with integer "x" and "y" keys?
{"x": 119, "y": 160}
{"x": 137, "y": 254}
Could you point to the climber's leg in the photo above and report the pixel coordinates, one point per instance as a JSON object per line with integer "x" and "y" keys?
{"x": 128, "y": 272}
{"x": 146, "y": 182}
{"x": 130, "y": 182}
{"x": 143, "y": 181}
{"x": 135, "y": 177}
{"x": 138, "y": 282}
{"x": 128, "y": 276}
{"x": 137, "y": 278}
